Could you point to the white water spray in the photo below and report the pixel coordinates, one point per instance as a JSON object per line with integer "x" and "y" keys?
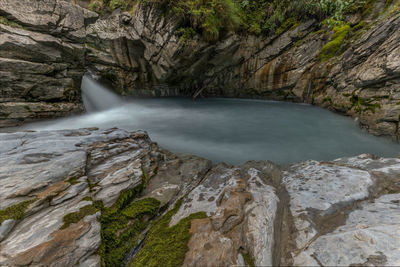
{"x": 96, "y": 97}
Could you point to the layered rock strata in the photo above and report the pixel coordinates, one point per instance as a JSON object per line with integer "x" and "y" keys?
{"x": 42, "y": 59}
{"x": 59, "y": 191}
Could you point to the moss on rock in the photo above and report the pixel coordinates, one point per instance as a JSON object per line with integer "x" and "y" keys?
{"x": 122, "y": 223}
{"x": 7, "y": 22}
{"x": 331, "y": 48}
{"x": 15, "y": 212}
{"x": 79, "y": 215}
{"x": 120, "y": 229}
{"x": 248, "y": 259}
{"x": 143, "y": 206}
{"x": 361, "y": 104}
{"x": 166, "y": 246}
{"x": 73, "y": 180}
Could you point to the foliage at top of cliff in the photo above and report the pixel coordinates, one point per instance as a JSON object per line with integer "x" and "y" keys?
{"x": 212, "y": 18}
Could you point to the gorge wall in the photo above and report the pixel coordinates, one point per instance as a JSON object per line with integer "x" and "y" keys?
{"x": 42, "y": 59}
{"x": 143, "y": 55}
{"x": 47, "y": 45}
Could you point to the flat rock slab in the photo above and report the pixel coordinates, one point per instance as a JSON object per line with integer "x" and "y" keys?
{"x": 369, "y": 237}
{"x": 345, "y": 212}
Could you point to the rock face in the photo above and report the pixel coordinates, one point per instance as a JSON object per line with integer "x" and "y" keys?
{"x": 57, "y": 172}
{"x": 42, "y": 59}
{"x": 142, "y": 54}
{"x": 344, "y": 212}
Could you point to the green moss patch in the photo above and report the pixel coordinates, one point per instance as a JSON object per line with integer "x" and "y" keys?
{"x": 289, "y": 24}
{"x": 166, "y": 246}
{"x": 143, "y": 206}
{"x": 7, "y": 22}
{"x": 73, "y": 180}
{"x": 79, "y": 215}
{"x": 121, "y": 228}
{"x": 248, "y": 259}
{"x": 122, "y": 223}
{"x": 361, "y": 104}
{"x": 327, "y": 99}
{"x": 331, "y": 48}
{"x": 15, "y": 212}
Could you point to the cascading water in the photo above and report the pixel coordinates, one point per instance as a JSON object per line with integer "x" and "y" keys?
{"x": 96, "y": 97}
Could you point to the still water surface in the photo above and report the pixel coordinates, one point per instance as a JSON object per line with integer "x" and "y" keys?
{"x": 228, "y": 130}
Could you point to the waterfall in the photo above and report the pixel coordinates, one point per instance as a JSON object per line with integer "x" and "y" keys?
{"x": 96, "y": 97}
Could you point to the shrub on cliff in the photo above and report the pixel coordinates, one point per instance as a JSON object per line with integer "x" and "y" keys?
{"x": 213, "y": 17}
{"x": 266, "y": 16}
{"x": 208, "y": 17}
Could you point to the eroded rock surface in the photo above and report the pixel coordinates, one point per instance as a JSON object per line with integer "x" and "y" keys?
{"x": 241, "y": 205}
{"x": 57, "y": 189}
{"x": 42, "y": 59}
{"x": 62, "y": 172}
{"x": 345, "y": 212}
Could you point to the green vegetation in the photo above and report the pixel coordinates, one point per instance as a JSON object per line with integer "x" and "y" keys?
{"x": 393, "y": 7}
{"x": 212, "y": 18}
{"x": 15, "y": 212}
{"x": 332, "y": 48}
{"x": 248, "y": 259}
{"x": 143, "y": 206}
{"x": 73, "y": 180}
{"x": 120, "y": 230}
{"x": 79, "y": 215}
{"x": 364, "y": 104}
{"x": 327, "y": 99}
{"x": 186, "y": 34}
{"x": 109, "y": 5}
{"x": 122, "y": 223}
{"x": 208, "y": 17}
{"x": 166, "y": 246}
{"x": 7, "y": 22}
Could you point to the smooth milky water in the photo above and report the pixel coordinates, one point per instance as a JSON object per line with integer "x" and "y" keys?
{"x": 232, "y": 130}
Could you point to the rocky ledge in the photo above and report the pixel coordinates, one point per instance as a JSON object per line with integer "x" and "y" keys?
{"x": 113, "y": 198}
